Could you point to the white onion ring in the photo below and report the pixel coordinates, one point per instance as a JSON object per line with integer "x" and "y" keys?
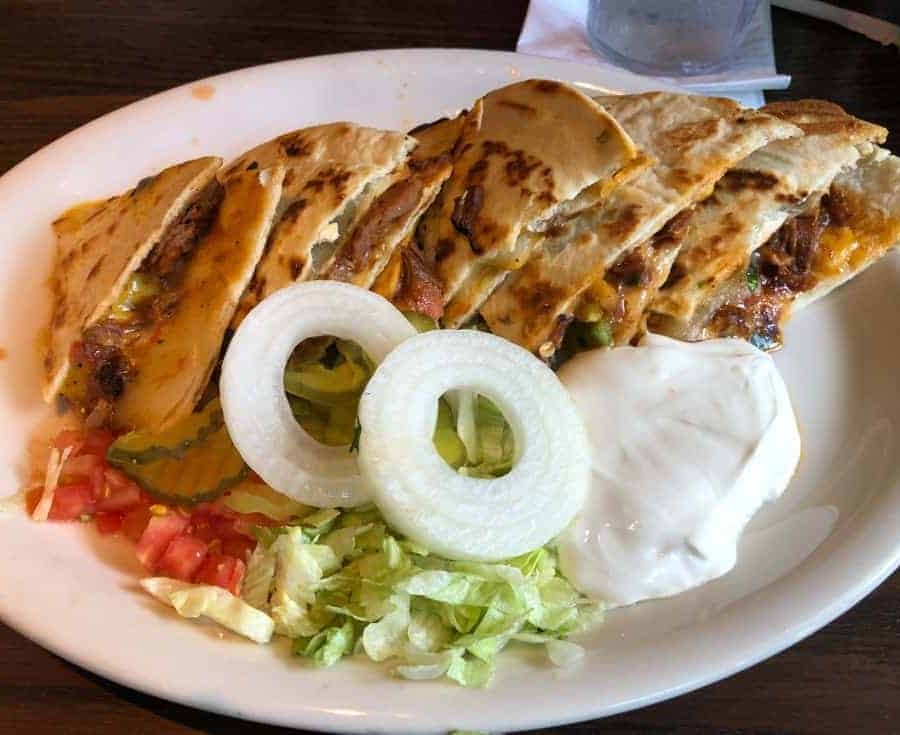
{"x": 423, "y": 497}
{"x": 256, "y": 409}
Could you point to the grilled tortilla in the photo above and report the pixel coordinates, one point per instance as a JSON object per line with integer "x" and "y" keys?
{"x": 333, "y": 173}
{"x": 175, "y": 361}
{"x": 406, "y": 280}
{"x": 389, "y": 221}
{"x": 694, "y": 141}
{"x": 777, "y": 186}
{"x": 100, "y": 245}
{"x": 831, "y": 241}
{"x": 865, "y": 225}
{"x": 527, "y": 153}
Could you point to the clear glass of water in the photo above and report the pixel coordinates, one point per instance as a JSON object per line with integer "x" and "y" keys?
{"x": 669, "y": 37}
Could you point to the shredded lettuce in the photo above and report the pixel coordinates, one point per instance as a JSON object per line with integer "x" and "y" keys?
{"x": 340, "y": 582}
{"x": 256, "y": 497}
{"x": 215, "y": 603}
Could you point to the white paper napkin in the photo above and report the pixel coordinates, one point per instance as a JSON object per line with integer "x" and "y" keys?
{"x": 556, "y": 28}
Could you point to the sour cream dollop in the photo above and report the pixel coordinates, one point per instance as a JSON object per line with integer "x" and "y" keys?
{"x": 689, "y": 441}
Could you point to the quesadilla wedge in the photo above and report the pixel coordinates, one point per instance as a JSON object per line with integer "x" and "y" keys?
{"x": 390, "y": 220}
{"x": 333, "y": 173}
{"x": 865, "y": 224}
{"x": 408, "y": 283}
{"x": 527, "y": 153}
{"x": 694, "y": 141}
{"x": 778, "y": 189}
{"x": 406, "y": 280}
{"x": 844, "y": 232}
{"x": 104, "y": 267}
{"x": 174, "y": 362}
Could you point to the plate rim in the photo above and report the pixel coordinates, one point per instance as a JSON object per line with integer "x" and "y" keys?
{"x": 333, "y": 722}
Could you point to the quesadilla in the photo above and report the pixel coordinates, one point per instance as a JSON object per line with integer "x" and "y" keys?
{"x": 100, "y": 273}
{"x": 352, "y": 195}
{"x": 406, "y": 280}
{"x": 694, "y": 141}
{"x": 333, "y": 173}
{"x": 144, "y": 357}
{"x": 774, "y": 197}
{"x": 174, "y": 361}
{"x": 864, "y": 204}
{"x": 527, "y": 154}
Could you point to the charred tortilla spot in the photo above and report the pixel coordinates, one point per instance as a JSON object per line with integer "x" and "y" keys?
{"x": 690, "y": 134}
{"x": 789, "y": 198}
{"x": 546, "y": 198}
{"x": 296, "y": 145}
{"x": 294, "y": 210}
{"x": 547, "y": 86}
{"x": 333, "y": 176}
{"x": 519, "y": 167}
{"x": 444, "y": 249}
{"x": 683, "y": 178}
{"x": 111, "y": 230}
{"x": 541, "y": 298}
{"x": 288, "y": 178}
{"x": 252, "y": 166}
{"x": 742, "y": 179}
{"x": 625, "y": 220}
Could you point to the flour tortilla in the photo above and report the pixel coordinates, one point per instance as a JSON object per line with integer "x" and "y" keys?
{"x": 525, "y": 151}
{"x": 100, "y": 245}
{"x": 750, "y": 203}
{"x": 175, "y": 363}
{"x": 389, "y": 221}
{"x": 332, "y": 175}
{"x": 694, "y": 141}
{"x": 870, "y": 193}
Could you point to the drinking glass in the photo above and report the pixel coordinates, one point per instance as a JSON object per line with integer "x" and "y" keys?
{"x": 669, "y": 37}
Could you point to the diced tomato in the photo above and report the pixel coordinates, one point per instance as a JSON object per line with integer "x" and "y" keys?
{"x": 223, "y": 571}
{"x": 68, "y": 438}
{"x": 210, "y": 525}
{"x": 108, "y": 522}
{"x": 86, "y": 468}
{"x": 239, "y": 547}
{"x": 32, "y": 498}
{"x": 182, "y": 558}
{"x": 135, "y": 522}
{"x": 157, "y": 536}
{"x": 96, "y": 441}
{"x": 70, "y": 502}
{"x": 119, "y": 492}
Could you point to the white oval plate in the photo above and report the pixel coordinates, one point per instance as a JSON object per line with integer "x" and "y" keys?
{"x": 829, "y": 541}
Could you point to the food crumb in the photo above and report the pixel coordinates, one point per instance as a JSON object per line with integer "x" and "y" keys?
{"x": 203, "y": 91}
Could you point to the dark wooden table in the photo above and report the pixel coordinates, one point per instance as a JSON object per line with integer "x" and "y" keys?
{"x": 64, "y": 62}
